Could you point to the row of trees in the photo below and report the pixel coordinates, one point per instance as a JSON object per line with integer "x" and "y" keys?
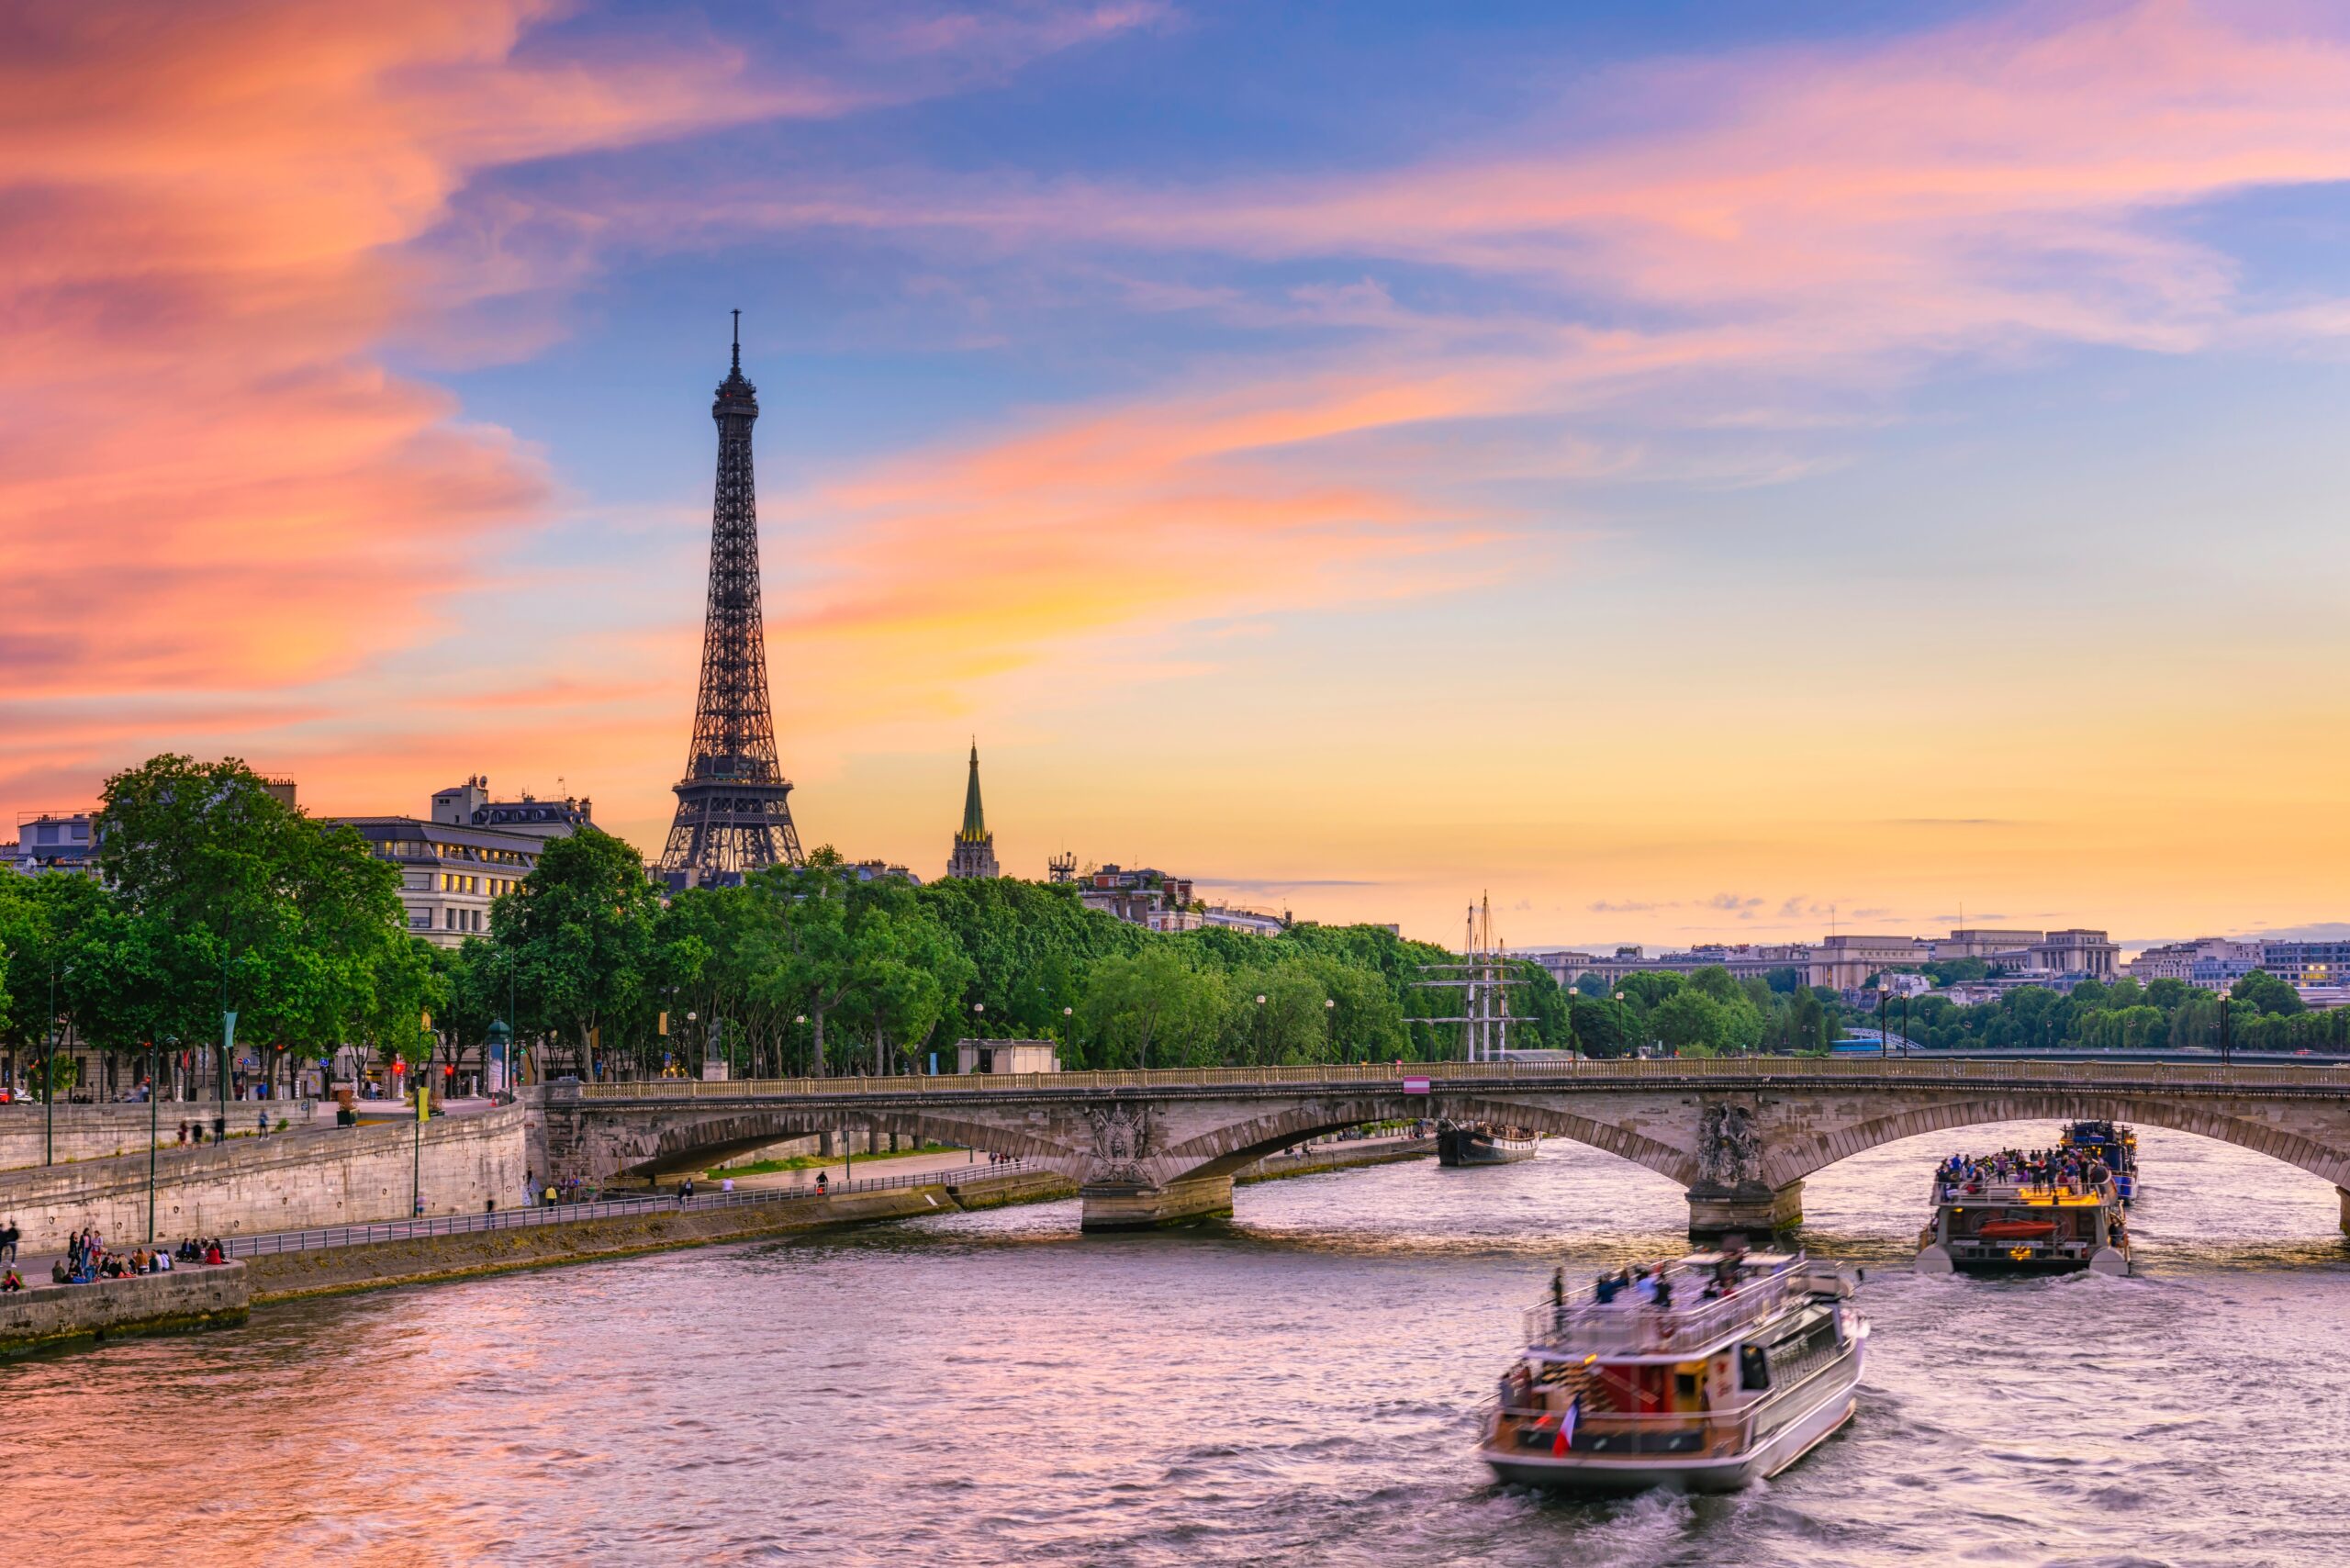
{"x": 816, "y": 969}
{"x": 216, "y": 897}
{"x": 2262, "y": 1013}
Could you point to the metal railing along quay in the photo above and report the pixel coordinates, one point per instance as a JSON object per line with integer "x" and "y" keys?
{"x": 269, "y": 1243}
{"x": 1748, "y": 1069}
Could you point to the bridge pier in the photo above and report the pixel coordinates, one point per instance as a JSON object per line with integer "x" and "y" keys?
{"x": 2345, "y": 1209}
{"x": 1750, "y": 1210}
{"x": 1127, "y": 1207}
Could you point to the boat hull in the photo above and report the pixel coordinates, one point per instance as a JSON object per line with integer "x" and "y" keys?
{"x": 1465, "y": 1146}
{"x": 1610, "y": 1475}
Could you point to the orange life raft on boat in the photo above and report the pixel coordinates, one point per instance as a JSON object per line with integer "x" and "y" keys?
{"x": 2018, "y": 1229}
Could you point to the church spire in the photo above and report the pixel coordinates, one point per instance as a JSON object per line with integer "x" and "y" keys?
{"x": 974, "y": 820}
{"x": 974, "y": 851}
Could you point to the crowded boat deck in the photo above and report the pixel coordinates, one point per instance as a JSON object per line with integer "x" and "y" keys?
{"x": 1699, "y": 1374}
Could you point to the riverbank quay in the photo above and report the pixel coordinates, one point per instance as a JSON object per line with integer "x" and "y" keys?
{"x": 1336, "y": 1156}
{"x": 46, "y": 1316}
{"x": 321, "y": 1175}
{"x": 379, "y": 1257}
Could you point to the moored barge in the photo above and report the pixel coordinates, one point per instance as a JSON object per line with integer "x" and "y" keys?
{"x": 1481, "y": 1143}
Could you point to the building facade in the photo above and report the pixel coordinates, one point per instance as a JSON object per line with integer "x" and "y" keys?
{"x": 465, "y": 856}
{"x": 1143, "y": 896}
{"x": 1845, "y": 963}
{"x": 1980, "y": 942}
{"x": 1743, "y": 960}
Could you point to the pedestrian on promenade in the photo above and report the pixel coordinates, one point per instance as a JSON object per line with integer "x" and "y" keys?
{"x": 261, "y": 1124}
{"x": 182, "y": 1132}
{"x": 220, "y": 1129}
{"x": 9, "y": 1235}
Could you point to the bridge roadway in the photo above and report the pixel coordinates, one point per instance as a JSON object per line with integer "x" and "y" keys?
{"x": 1739, "y": 1132}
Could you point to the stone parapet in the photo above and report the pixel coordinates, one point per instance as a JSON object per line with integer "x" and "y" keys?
{"x": 102, "y": 1132}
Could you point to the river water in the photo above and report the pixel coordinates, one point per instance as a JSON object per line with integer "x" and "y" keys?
{"x": 996, "y": 1388}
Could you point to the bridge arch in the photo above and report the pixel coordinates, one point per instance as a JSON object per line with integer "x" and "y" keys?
{"x": 1795, "y": 1158}
{"x": 1237, "y": 1145}
{"x": 703, "y": 1141}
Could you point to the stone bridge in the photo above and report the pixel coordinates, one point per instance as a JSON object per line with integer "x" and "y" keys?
{"x": 1741, "y": 1134}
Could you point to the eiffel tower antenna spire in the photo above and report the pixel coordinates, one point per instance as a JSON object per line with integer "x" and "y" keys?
{"x": 733, "y": 814}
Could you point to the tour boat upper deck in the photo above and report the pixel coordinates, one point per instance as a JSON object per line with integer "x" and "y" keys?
{"x": 1711, "y": 1296}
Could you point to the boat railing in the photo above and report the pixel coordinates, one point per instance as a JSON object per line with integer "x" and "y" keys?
{"x": 2024, "y": 1193}
{"x": 1641, "y": 1326}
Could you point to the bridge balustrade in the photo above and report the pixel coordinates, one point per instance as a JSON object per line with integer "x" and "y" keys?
{"x": 1389, "y": 1074}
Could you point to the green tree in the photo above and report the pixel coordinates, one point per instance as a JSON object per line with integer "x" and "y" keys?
{"x": 1150, "y": 1009}
{"x": 2267, "y": 993}
{"x": 580, "y": 928}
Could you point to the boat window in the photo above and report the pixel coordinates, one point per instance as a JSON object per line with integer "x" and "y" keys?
{"x": 1753, "y": 1369}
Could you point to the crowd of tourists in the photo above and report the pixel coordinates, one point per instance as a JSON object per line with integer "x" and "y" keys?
{"x": 86, "y": 1258}
{"x": 2069, "y": 1171}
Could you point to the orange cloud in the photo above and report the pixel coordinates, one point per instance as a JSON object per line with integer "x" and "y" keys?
{"x": 206, "y": 479}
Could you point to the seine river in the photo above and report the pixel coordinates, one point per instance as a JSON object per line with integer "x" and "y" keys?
{"x": 995, "y": 1388}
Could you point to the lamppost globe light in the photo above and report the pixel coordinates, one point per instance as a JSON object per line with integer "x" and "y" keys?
{"x": 799, "y": 1017}
{"x": 1260, "y": 997}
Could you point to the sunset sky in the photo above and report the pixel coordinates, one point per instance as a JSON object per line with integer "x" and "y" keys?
{"x": 1685, "y": 468}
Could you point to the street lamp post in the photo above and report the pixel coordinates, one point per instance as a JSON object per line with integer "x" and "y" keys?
{"x": 692, "y": 1018}
{"x": 1330, "y": 1014}
{"x": 2223, "y": 1030}
{"x": 49, "y": 1072}
{"x": 1619, "y": 1014}
{"x": 799, "y": 1019}
{"x": 1261, "y": 1028}
{"x": 1883, "y": 1044}
{"x": 154, "y": 1128}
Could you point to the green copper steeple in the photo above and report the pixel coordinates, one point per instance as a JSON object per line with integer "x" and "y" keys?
{"x": 974, "y": 821}
{"x": 974, "y": 851}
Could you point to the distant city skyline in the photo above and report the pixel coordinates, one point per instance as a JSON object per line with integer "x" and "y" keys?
{"x": 1677, "y": 468}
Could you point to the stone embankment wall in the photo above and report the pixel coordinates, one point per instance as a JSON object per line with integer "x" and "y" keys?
{"x": 319, "y": 1177}
{"x": 1336, "y": 1156}
{"x": 290, "y": 1276}
{"x": 51, "y": 1317}
{"x": 100, "y": 1132}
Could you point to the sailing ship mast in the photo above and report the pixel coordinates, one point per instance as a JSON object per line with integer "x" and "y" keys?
{"x": 1482, "y": 977}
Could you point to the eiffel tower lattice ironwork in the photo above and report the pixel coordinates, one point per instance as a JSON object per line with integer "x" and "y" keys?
{"x": 734, "y": 813}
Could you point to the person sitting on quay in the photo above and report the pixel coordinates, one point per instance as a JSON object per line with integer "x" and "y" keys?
{"x": 11, "y": 1281}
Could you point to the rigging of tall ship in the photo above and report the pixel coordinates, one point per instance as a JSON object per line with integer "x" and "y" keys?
{"x": 1704, "y": 1373}
{"x": 2042, "y": 1211}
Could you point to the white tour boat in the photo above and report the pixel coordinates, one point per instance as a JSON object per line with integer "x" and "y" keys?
{"x": 1747, "y": 1362}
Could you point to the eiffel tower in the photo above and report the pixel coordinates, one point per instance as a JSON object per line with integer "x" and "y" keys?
{"x": 732, "y": 811}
